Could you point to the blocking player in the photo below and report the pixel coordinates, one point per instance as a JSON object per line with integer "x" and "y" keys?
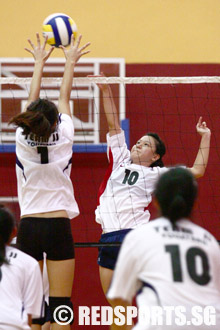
{"x": 21, "y": 289}
{"x": 44, "y": 139}
{"x": 171, "y": 263}
{"x": 126, "y": 190}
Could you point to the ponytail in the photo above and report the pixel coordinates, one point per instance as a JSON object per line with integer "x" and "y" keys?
{"x": 176, "y": 192}
{"x": 7, "y": 223}
{"x": 39, "y": 119}
{"x": 177, "y": 208}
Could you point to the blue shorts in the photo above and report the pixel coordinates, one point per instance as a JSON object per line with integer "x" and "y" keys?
{"x": 108, "y": 254}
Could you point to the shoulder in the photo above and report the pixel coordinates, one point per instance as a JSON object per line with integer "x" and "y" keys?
{"x": 64, "y": 118}
{"x": 201, "y": 231}
{"x": 18, "y": 256}
{"x": 19, "y": 132}
{"x": 120, "y": 137}
{"x": 65, "y": 126}
{"x": 159, "y": 170}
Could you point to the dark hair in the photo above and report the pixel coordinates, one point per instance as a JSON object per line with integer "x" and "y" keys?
{"x": 39, "y": 118}
{"x": 7, "y": 223}
{"x": 176, "y": 191}
{"x": 160, "y": 149}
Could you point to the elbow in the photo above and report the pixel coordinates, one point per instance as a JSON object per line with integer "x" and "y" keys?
{"x": 197, "y": 172}
{"x": 199, "y": 175}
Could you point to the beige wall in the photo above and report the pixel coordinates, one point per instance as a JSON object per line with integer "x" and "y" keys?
{"x": 153, "y": 31}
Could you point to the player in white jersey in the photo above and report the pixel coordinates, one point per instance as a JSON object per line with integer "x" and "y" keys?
{"x": 171, "y": 264}
{"x": 44, "y": 140}
{"x": 21, "y": 289}
{"x": 126, "y": 190}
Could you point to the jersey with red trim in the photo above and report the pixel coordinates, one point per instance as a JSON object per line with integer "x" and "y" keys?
{"x": 21, "y": 290}
{"x": 126, "y": 190}
{"x": 43, "y": 171}
{"x": 170, "y": 268}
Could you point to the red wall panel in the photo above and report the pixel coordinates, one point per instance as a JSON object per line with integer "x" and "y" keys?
{"x": 171, "y": 111}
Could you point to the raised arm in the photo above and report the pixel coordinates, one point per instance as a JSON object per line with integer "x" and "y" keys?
{"x": 72, "y": 55}
{"x": 110, "y": 109}
{"x": 40, "y": 55}
{"x": 202, "y": 157}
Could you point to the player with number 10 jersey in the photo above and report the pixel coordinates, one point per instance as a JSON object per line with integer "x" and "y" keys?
{"x": 126, "y": 190}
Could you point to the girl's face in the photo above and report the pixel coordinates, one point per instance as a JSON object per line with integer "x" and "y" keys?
{"x": 144, "y": 151}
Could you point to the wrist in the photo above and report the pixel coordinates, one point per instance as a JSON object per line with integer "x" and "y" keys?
{"x": 39, "y": 63}
{"x": 206, "y": 134}
{"x": 70, "y": 62}
{"x": 106, "y": 90}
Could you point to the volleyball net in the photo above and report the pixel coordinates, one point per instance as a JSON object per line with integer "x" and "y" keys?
{"x": 169, "y": 106}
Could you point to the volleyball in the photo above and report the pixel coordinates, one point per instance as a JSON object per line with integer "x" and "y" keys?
{"x": 59, "y": 28}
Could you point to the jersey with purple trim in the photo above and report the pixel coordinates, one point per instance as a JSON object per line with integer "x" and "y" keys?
{"x": 170, "y": 268}
{"x": 21, "y": 290}
{"x": 126, "y": 190}
{"x": 43, "y": 171}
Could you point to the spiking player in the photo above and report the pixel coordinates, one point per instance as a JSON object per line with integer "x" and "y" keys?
{"x": 126, "y": 190}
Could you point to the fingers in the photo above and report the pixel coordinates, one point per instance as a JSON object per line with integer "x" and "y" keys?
{"x": 200, "y": 121}
{"x": 84, "y": 53}
{"x": 201, "y": 127}
{"x": 38, "y": 39}
{"x": 62, "y": 47}
{"x": 51, "y": 50}
{"x": 72, "y": 40}
{"x": 85, "y": 46}
{"x": 39, "y": 51}
{"x": 29, "y": 51}
{"x": 31, "y": 43}
{"x": 45, "y": 42}
{"x": 78, "y": 41}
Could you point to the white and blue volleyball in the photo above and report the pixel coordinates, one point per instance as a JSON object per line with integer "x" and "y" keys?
{"x": 59, "y": 28}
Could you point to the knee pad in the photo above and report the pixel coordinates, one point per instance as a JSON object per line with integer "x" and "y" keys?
{"x": 61, "y": 310}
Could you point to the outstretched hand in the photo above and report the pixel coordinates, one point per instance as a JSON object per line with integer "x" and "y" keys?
{"x": 39, "y": 52}
{"x": 102, "y": 87}
{"x": 75, "y": 52}
{"x": 201, "y": 127}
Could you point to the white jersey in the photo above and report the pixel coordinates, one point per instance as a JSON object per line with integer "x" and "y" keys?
{"x": 178, "y": 268}
{"x": 43, "y": 171}
{"x": 21, "y": 290}
{"x": 126, "y": 190}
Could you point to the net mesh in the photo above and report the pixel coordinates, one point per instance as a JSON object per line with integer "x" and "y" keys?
{"x": 166, "y": 105}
